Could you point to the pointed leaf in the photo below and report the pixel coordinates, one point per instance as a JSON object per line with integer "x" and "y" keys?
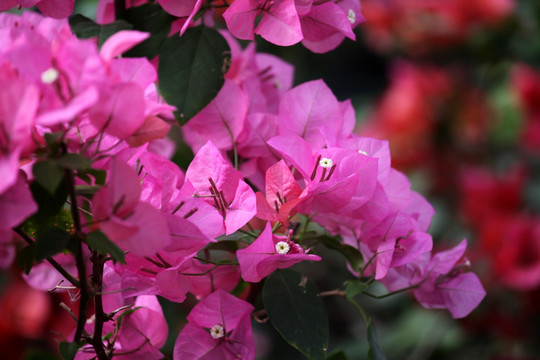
{"x": 51, "y": 243}
{"x": 191, "y": 70}
{"x": 101, "y": 243}
{"x": 153, "y": 19}
{"x": 85, "y": 28}
{"x": 353, "y": 256}
{"x": 68, "y": 349}
{"x": 74, "y": 162}
{"x": 48, "y": 174}
{"x": 354, "y": 288}
{"x": 297, "y": 312}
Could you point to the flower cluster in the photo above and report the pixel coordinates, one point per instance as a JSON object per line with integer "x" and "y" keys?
{"x": 82, "y": 131}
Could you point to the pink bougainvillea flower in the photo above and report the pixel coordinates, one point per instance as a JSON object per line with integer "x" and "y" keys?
{"x": 219, "y": 328}
{"x": 312, "y": 112}
{"x": 221, "y": 121}
{"x": 395, "y": 241}
{"x": 449, "y": 284}
{"x": 282, "y": 193}
{"x": 215, "y": 178}
{"x": 325, "y": 27}
{"x": 279, "y": 22}
{"x": 134, "y": 225}
{"x": 58, "y": 9}
{"x": 268, "y": 253}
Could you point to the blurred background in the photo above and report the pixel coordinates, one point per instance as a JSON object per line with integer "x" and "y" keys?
{"x": 454, "y": 85}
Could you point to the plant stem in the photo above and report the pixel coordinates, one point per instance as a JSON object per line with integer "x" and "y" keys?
{"x": 51, "y": 261}
{"x": 97, "y": 279}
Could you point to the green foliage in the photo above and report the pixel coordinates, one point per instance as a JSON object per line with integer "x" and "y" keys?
{"x": 48, "y": 174}
{"x": 191, "y": 70}
{"x": 355, "y": 287}
{"x": 153, "y": 19}
{"x": 85, "y": 28}
{"x": 51, "y": 242}
{"x": 68, "y": 349}
{"x": 337, "y": 355}
{"x": 353, "y": 256}
{"x": 104, "y": 246}
{"x": 297, "y": 312}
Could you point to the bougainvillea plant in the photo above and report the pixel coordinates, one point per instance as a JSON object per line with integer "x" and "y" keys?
{"x": 91, "y": 203}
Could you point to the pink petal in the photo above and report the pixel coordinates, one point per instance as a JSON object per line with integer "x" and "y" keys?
{"x": 120, "y": 42}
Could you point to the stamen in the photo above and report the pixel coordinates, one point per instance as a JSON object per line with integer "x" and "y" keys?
{"x": 163, "y": 260}
{"x": 331, "y": 172}
{"x": 315, "y": 168}
{"x": 190, "y": 212}
{"x": 179, "y": 206}
{"x": 282, "y": 247}
{"x": 276, "y": 205}
{"x": 323, "y": 174}
{"x": 148, "y": 271}
{"x": 158, "y": 264}
{"x": 279, "y": 198}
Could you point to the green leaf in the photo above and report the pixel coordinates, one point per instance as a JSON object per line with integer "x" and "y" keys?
{"x": 51, "y": 242}
{"x": 87, "y": 191}
{"x": 68, "y": 349}
{"x": 49, "y": 205}
{"x": 337, "y": 355}
{"x": 153, "y": 19}
{"x": 354, "y": 288}
{"x": 100, "y": 176}
{"x": 224, "y": 245}
{"x": 101, "y": 243}
{"x": 26, "y": 257}
{"x": 85, "y": 28}
{"x": 353, "y": 256}
{"x": 191, "y": 70}
{"x": 297, "y": 312}
{"x": 75, "y": 162}
{"x": 374, "y": 352}
{"x": 48, "y": 174}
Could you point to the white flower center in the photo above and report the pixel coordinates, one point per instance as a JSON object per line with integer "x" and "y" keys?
{"x": 49, "y": 76}
{"x": 282, "y": 247}
{"x": 362, "y": 152}
{"x": 217, "y": 331}
{"x": 351, "y": 16}
{"x": 326, "y": 163}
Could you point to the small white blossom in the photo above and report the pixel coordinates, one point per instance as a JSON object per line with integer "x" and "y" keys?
{"x": 217, "y": 331}
{"x": 282, "y": 247}
{"x": 326, "y": 163}
{"x": 49, "y": 76}
{"x": 362, "y": 152}
{"x": 351, "y": 16}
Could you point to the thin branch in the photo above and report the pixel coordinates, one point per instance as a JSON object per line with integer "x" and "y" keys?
{"x": 51, "y": 261}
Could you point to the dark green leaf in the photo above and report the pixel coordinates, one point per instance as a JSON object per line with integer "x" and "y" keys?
{"x": 353, "y": 256}
{"x": 354, "y": 288}
{"x": 51, "y": 242}
{"x": 85, "y": 28}
{"x": 68, "y": 349}
{"x": 48, "y": 204}
{"x": 75, "y": 162}
{"x": 99, "y": 175}
{"x": 153, "y": 19}
{"x": 48, "y": 174}
{"x": 191, "y": 70}
{"x": 224, "y": 245}
{"x": 374, "y": 352}
{"x": 87, "y": 191}
{"x": 26, "y": 258}
{"x": 337, "y": 355}
{"x": 297, "y": 312}
{"x": 101, "y": 243}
